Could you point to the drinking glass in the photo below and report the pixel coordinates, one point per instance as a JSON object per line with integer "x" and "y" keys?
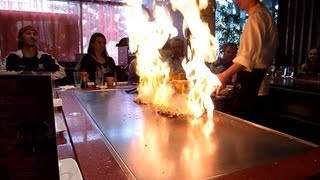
{"x": 77, "y": 79}
{"x": 290, "y": 72}
{"x": 284, "y": 71}
{"x": 287, "y": 71}
{"x": 99, "y": 78}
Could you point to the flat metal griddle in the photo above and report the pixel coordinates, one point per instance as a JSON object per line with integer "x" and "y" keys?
{"x": 152, "y": 146}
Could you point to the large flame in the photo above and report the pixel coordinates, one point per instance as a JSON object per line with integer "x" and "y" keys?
{"x": 149, "y": 32}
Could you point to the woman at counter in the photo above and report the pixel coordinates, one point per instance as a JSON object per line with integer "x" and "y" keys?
{"x": 97, "y": 58}
{"x": 312, "y": 65}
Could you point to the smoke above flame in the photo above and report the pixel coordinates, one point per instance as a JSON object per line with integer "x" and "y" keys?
{"x": 148, "y": 33}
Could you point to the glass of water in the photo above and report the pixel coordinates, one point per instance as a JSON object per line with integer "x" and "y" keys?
{"x": 99, "y": 81}
{"x": 290, "y": 72}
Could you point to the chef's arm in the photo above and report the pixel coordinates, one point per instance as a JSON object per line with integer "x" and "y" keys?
{"x": 233, "y": 69}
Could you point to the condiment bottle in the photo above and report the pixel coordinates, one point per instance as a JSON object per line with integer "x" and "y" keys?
{"x": 84, "y": 80}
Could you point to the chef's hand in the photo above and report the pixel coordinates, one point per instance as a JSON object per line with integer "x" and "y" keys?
{"x": 222, "y": 77}
{"x": 231, "y": 71}
{"x": 217, "y": 90}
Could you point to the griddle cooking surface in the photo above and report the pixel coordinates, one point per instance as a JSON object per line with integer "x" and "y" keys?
{"x": 151, "y": 146}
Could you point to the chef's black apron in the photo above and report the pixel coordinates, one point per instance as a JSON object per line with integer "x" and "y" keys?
{"x": 246, "y": 89}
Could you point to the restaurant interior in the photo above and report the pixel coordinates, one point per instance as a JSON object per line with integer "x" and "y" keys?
{"x": 109, "y": 134}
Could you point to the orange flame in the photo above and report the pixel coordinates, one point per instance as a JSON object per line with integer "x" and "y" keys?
{"x": 149, "y": 34}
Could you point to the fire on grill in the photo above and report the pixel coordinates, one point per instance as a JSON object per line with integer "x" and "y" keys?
{"x": 148, "y": 35}
{"x": 177, "y": 104}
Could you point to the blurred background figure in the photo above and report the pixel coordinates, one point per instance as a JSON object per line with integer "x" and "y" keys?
{"x": 229, "y": 52}
{"x": 29, "y": 59}
{"x": 312, "y": 65}
{"x": 2, "y": 64}
{"x": 177, "y": 47}
{"x": 97, "y": 59}
{"x": 133, "y": 77}
{"x": 224, "y": 62}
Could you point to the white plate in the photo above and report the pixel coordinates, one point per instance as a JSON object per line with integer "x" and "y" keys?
{"x": 69, "y": 170}
{"x": 60, "y": 125}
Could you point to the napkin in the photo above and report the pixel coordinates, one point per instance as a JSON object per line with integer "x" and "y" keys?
{"x": 60, "y": 125}
{"x": 57, "y": 102}
{"x": 67, "y": 87}
{"x": 69, "y": 169}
